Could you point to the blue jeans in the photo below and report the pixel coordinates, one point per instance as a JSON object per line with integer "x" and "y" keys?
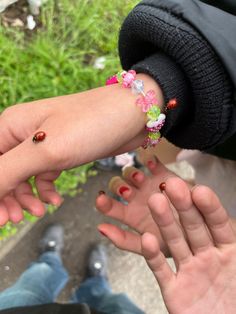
{"x": 42, "y": 282}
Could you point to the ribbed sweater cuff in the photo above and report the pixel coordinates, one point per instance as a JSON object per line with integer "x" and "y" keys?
{"x": 208, "y": 116}
{"x": 173, "y": 83}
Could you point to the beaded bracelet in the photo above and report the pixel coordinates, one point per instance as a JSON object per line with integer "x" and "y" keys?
{"x": 148, "y": 103}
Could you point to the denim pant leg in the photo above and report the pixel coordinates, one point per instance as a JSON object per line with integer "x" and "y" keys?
{"x": 97, "y": 293}
{"x": 41, "y": 283}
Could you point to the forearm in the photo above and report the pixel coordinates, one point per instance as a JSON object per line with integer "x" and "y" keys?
{"x": 107, "y": 118}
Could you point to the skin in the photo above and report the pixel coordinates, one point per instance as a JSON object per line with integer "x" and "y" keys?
{"x": 136, "y": 213}
{"x": 202, "y": 242}
{"x": 79, "y": 128}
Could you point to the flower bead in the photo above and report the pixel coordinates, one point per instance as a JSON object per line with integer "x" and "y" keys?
{"x": 147, "y": 101}
{"x": 128, "y": 78}
{"x": 153, "y": 113}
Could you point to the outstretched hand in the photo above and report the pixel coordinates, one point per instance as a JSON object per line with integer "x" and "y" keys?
{"x": 135, "y": 188}
{"x": 203, "y": 248}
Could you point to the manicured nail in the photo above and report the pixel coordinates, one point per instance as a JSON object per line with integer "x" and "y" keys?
{"x": 151, "y": 164}
{"x": 135, "y": 174}
{"x": 101, "y": 192}
{"x": 123, "y": 189}
{"x": 102, "y": 233}
{"x": 162, "y": 186}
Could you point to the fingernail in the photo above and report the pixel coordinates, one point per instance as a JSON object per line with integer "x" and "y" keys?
{"x": 162, "y": 186}
{"x": 135, "y": 175}
{"x": 101, "y": 192}
{"x": 103, "y": 233}
{"x": 151, "y": 164}
{"x": 123, "y": 189}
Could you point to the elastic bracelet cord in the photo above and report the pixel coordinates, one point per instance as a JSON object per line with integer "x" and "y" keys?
{"x": 148, "y": 103}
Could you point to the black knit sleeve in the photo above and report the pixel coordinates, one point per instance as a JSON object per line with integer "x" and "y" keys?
{"x": 155, "y": 41}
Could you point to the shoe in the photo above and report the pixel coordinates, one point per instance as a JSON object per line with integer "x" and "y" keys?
{"x": 52, "y": 239}
{"x": 118, "y": 162}
{"x": 97, "y": 261}
{"x": 106, "y": 164}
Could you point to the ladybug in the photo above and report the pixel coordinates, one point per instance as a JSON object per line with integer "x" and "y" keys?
{"x": 172, "y": 104}
{"x": 39, "y": 136}
{"x": 162, "y": 186}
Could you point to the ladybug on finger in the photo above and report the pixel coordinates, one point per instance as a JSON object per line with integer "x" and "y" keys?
{"x": 39, "y": 136}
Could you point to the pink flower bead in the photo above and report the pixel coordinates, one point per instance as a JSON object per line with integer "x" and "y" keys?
{"x": 148, "y": 101}
{"x": 112, "y": 80}
{"x": 128, "y": 78}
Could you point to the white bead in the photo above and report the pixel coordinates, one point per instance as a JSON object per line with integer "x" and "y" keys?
{"x": 153, "y": 124}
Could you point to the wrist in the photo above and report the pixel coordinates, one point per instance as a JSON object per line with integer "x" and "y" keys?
{"x": 151, "y": 84}
{"x": 148, "y": 101}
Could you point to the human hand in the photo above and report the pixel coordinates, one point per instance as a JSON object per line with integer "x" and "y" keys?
{"x": 205, "y": 277}
{"x": 135, "y": 188}
{"x": 79, "y": 128}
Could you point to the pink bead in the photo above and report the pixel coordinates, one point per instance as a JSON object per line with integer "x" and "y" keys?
{"x": 148, "y": 101}
{"x": 128, "y": 79}
{"x": 154, "y": 130}
{"x": 132, "y": 72}
{"x": 112, "y": 80}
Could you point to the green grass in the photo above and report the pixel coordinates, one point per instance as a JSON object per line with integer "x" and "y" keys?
{"x": 58, "y": 59}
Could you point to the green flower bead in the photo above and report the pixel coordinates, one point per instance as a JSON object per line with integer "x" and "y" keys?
{"x": 154, "y": 136}
{"x": 153, "y": 113}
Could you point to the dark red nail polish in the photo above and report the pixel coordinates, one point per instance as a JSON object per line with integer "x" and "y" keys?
{"x": 162, "y": 186}
{"x": 135, "y": 174}
{"x": 101, "y": 192}
{"x": 123, "y": 189}
{"x": 39, "y": 136}
{"x": 103, "y": 233}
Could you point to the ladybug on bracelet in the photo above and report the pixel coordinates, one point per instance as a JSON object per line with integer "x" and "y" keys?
{"x": 39, "y": 136}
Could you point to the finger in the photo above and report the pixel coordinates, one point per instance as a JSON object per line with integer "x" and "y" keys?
{"x": 145, "y": 155}
{"x": 157, "y": 168}
{"x": 28, "y": 201}
{"x": 170, "y": 230}
{"x": 4, "y": 216}
{"x": 134, "y": 176}
{"x": 191, "y": 220}
{"x": 46, "y": 188}
{"x": 120, "y": 187}
{"x": 111, "y": 208}
{"x": 156, "y": 260}
{"x": 216, "y": 217}
{"x": 14, "y": 209}
{"x": 24, "y": 161}
{"x": 124, "y": 240}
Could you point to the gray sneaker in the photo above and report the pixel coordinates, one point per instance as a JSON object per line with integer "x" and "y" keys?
{"x": 52, "y": 239}
{"x": 97, "y": 261}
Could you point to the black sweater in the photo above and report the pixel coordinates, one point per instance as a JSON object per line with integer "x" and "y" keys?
{"x": 189, "y": 48}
